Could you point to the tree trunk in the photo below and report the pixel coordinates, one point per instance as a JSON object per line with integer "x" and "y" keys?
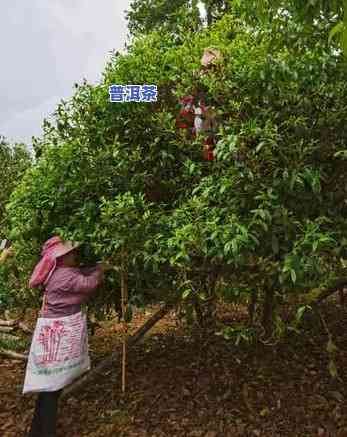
{"x": 268, "y": 311}
{"x": 337, "y": 285}
{"x": 195, "y": 13}
{"x": 206, "y": 309}
{"x": 210, "y": 312}
{"x": 252, "y": 306}
{"x": 209, "y": 15}
{"x": 198, "y": 312}
{"x": 342, "y": 297}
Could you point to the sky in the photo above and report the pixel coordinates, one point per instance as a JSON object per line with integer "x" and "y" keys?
{"x": 45, "y": 47}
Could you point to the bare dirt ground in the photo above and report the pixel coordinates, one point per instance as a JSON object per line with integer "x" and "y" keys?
{"x": 182, "y": 383}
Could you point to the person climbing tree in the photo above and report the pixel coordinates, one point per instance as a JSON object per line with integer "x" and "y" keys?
{"x": 194, "y": 115}
{"x": 185, "y": 118}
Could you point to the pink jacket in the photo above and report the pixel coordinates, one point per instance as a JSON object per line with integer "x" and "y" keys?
{"x": 68, "y": 288}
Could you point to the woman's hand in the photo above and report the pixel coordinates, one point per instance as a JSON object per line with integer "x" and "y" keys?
{"x": 105, "y": 266}
{"x": 6, "y": 253}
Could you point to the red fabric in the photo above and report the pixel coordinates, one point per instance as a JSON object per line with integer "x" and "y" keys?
{"x": 51, "y": 250}
{"x": 182, "y": 125}
{"x": 210, "y": 141}
{"x": 208, "y": 150}
{"x": 208, "y": 154}
{"x": 187, "y": 100}
{"x": 185, "y": 117}
{"x": 203, "y": 106}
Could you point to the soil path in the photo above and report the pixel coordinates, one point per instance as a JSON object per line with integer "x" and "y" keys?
{"x": 181, "y": 383}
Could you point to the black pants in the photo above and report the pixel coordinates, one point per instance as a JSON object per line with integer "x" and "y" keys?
{"x": 44, "y": 422}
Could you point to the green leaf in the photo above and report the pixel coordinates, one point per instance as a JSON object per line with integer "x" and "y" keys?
{"x": 128, "y": 315}
{"x": 293, "y": 181}
{"x": 331, "y": 347}
{"x": 222, "y": 189}
{"x": 262, "y": 213}
{"x": 275, "y": 244}
{"x": 214, "y": 235}
{"x": 344, "y": 40}
{"x": 260, "y": 146}
{"x": 300, "y": 312}
{"x": 293, "y": 275}
{"x": 227, "y": 247}
{"x": 336, "y": 29}
{"x": 332, "y": 369}
{"x": 186, "y": 293}
{"x": 264, "y": 412}
{"x": 234, "y": 246}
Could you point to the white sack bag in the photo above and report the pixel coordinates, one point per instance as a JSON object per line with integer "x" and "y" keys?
{"x": 58, "y": 353}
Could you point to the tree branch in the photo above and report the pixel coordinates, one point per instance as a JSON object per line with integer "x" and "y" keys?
{"x": 8, "y": 322}
{"x": 339, "y": 284}
{"x": 12, "y": 354}
{"x": 115, "y": 355}
{"x": 4, "y": 336}
{"x": 6, "y": 328}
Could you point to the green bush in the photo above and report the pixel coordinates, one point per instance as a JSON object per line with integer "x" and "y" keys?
{"x": 268, "y": 213}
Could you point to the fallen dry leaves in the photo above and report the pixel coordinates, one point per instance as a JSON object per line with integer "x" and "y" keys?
{"x": 181, "y": 383}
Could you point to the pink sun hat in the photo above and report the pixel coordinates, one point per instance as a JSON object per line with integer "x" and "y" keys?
{"x": 51, "y": 250}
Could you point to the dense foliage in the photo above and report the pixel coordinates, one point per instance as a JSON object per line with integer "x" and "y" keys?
{"x": 174, "y": 17}
{"x": 14, "y": 159}
{"x": 185, "y": 15}
{"x": 266, "y": 220}
{"x": 330, "y": 14}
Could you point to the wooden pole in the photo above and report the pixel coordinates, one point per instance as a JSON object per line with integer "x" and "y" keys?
{"x": 124, "y": 291}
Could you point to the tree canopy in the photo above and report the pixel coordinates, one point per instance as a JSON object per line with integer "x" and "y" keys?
{"x": 265, "y": 220}
{"x": 15, "y": 159}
